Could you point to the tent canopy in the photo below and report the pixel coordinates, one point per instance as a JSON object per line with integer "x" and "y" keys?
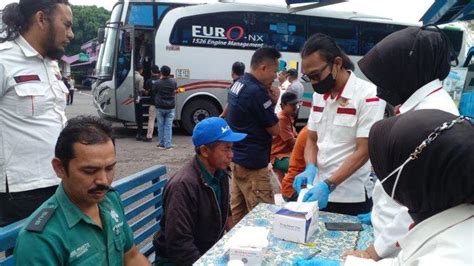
{"x": 445, "y": 11}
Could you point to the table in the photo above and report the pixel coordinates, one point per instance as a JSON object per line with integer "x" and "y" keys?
{"x": 331, "y": 243}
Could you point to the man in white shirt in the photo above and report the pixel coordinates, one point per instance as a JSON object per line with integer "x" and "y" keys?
{"x": 344, "y": 109}
{"x": 295, "y": 85}
{"x": 32, "y": 102}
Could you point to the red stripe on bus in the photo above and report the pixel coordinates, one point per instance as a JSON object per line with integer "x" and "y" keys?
{"x": 226, "y": 83}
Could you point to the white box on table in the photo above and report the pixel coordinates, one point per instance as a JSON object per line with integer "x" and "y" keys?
{"x": 296, "y": 221}
{"x": 248, "y": 245}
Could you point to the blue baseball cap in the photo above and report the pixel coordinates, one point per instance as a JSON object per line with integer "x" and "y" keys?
{"x": 214, "y": 129}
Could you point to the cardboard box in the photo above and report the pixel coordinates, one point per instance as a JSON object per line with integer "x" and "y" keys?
{"x": 248, "y": 255}
{"x": 248, "y": 245}
{"x": 296, "y": 221}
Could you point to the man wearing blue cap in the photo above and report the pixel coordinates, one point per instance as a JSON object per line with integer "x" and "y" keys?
{"x": 196, "y": 198}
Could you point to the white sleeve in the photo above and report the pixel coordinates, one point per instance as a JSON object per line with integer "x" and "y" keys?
{"x": 371, "y": 111}
{"x": 314, "y": 117}
{"x": 390, "y": 221}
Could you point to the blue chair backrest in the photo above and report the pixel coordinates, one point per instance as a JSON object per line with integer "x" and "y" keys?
{"x": 141, "y": 195}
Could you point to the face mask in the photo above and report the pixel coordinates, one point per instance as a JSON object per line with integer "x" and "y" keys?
{"x": 325, "y": 85}
{"x": 389, "y": 96}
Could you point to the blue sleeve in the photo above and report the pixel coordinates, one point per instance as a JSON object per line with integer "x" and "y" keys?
{"x": 263, "y": 109}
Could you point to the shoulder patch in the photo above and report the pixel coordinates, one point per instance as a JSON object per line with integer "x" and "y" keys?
{"x": 38, "y": 223}
{"x": 267, "y": 104}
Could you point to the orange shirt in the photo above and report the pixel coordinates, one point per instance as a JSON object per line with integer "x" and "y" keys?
{"x": 282, "y": 145}
{"x": 297, "y": 163}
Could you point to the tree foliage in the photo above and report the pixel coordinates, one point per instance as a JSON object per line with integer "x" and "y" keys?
{"x": 86, "y": 21}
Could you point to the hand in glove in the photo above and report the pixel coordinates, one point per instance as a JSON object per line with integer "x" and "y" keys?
{"x": 319, "y": 193}
{"x": 305, "y": 177}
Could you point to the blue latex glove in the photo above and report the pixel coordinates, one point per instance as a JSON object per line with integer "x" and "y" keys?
{"x": 365, "y": 218}
{"x": 319, "y": 193}
{"x": 305, "y": 177}
{"x": 315, "y": 262}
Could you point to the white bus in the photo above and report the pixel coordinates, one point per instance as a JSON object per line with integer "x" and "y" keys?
{"x": 200, "y": 43}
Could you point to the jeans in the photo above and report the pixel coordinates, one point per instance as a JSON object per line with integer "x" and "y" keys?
{"x": 165, "y": 119}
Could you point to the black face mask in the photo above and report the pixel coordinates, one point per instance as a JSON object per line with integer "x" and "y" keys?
{"x": 388, "y": 96}
{"x": 325, "y": 85}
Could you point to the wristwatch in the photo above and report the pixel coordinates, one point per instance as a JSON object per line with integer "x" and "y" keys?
{"x": 330, "y": 184}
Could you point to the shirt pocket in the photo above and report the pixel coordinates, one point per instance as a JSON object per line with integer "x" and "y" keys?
{"x": 344, "y": 129}
{"x": 32, "y": 99}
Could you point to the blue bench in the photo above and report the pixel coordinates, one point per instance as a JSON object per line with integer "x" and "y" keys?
{"x": 141, "y": 195}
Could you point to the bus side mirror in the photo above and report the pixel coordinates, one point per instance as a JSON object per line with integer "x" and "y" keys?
{"x": 101, "y": 35}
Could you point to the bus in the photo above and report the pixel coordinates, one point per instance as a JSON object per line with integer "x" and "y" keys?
{"x": 201, "y": 41}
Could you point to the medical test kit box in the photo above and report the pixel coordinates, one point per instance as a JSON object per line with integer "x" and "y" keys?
{"x": 248, "y": 245}
{"x": 296, "y": 221}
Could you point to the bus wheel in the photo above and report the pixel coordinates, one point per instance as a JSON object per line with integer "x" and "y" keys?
{"x": 196, "y": 111}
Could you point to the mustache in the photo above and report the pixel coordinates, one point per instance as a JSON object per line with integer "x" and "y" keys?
{"x": 99, "y": 188}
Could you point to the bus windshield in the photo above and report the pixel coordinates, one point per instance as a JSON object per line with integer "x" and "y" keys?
{"x": 105, "y": 63}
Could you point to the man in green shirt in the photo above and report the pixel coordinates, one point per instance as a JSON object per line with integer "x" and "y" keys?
{"x": 83, "y": 223}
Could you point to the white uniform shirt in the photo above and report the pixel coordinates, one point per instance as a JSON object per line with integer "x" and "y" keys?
{"x": 390, "y": 219}
{"x": 283, "y": 88}
{"x": 297, "y": 88}
{"x": 32, "y": 103}
{"x": 338, "y": 123}
{"x": 446, "y": 238}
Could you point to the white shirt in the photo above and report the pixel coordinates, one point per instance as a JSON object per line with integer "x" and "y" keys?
{"x": 446, "y": 238}
{"x": 32, "y": 103}
{"x": 297, "y": 88}
{"x": 390, "y": 219}
{"x": 283, "y": 87}
{"x": 338, "y": 123}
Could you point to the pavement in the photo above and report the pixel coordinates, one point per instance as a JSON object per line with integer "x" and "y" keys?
{"x": 134, "y": 156}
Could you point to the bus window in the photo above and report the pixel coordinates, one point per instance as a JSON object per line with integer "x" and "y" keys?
{"x": 344, "y": 32}
{"x": 238, "y": 30}
{"x": 372, "y": 33}
{"x": 140, "y": 15}
{"x": 124, "y": 57}
{"x": 284, "y": 32}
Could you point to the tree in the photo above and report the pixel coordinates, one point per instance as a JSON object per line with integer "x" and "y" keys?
{"x": 86, "y": 21}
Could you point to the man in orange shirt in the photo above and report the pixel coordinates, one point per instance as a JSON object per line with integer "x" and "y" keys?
{"x": 282, "y": 144}
{"x": 297, "y": 165}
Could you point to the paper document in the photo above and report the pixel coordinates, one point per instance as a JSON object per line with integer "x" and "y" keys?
{"x": 303, "y": 192}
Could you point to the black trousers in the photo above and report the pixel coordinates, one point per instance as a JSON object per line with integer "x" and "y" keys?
{"x": 70, "y": 97}
{"x": 139, "y": 118}
{"x": 350, "y": 208}
{"x": 15, "y": 206}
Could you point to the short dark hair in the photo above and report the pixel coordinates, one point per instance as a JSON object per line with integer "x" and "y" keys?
{"x": 262, "y": 54}
{"x": 87, "y": 130}
{"x": 17, "y": 16}
{"x": 165, "y": 70}
{"x": 327, "y": 48}
{"x": 155, "y": 69}
{"x": 238, "y": 68}
{"x": 138, "y": 67}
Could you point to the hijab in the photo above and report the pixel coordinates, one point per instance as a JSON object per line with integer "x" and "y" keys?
{"x": 443, "y": 174}
{"x": 405, "y": 61}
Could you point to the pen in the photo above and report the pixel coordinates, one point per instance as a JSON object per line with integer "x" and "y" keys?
{"x": 313, "y": 254}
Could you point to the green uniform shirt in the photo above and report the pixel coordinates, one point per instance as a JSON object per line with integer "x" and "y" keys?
{"x": 59, "y": 233}
{"x": 213, "y": 181}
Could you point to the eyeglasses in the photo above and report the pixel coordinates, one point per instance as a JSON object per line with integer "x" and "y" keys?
{"x": 315, "y": 75}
